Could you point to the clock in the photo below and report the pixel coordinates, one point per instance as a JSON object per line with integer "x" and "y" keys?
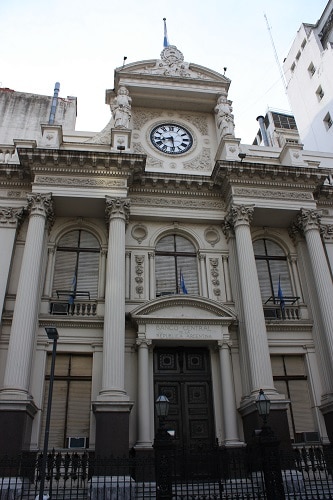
{"x": 171, "y": 138}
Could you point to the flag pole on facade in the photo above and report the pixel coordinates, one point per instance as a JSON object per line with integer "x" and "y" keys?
{"x": 165, "y": 40}
{"x": 182, "y": 283}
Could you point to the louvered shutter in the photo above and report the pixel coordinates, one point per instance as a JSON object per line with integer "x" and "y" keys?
{"x": 165, "y": 275}
{"x": 58, "y": 414}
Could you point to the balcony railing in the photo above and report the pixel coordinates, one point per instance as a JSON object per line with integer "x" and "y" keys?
{"x": 286, "y": 309}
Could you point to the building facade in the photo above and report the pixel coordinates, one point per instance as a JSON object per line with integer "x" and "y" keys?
{"x": 172, "y": 259}
{"x": 308, "y": 69}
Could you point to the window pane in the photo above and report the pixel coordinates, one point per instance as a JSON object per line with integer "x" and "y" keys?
{"x": 64, "y": 270}
{"x": 259, "y": 247}
{"x": 166, "y": 281}
{"x": 70, "y": 240}
{"x": 273, "y": 249}
{"x": 188, "y": 267}
{"x": 166, "y": 244}
{"x": 88, "y": 240}
{"x": 87, "y": 275}
{"x": 279, "y": 270}
{"x": 264, "y": 280}
{"x": 184, "y": 245}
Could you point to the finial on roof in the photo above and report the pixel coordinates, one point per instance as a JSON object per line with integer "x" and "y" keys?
{"x": 165, "y": 40}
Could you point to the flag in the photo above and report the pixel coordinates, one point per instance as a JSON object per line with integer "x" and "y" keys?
{"x": 280, "y": 295}
{"x": 73, "y": 290}
{"x": 182, "y": 283}
{"x": 165, "y": 40}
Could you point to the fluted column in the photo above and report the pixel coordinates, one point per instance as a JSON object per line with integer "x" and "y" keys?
{"x": 10, "y": 219}
{"x": 308, "y": 221}
{"x": 259, "y": 369}
{"x": 231, "y": 436}
{"x": 114, "y": 318}
{"x": 23, "y": 331}
{"x": 143, "y": 400}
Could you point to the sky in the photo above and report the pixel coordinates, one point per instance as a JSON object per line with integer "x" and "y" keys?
{"x": 79, "y": 43}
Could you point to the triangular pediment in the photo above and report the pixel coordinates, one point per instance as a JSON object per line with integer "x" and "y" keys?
{"x": 183, "y": 308}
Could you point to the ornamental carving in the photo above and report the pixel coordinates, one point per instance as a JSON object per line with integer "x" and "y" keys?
{"x": 172, "y": 64}
{"x": 139, "y": 270}
{"x": 215, "y": 273}
{"x": 117, "y": 208}
{"x": 11, "y": 217}
{"x": 139, "y": 232}
{"x": 141, "y": 117}
{"x": 327, "y": 231}
{"x": 271, "y": 193}
{"x": 202, "y": 162}
{"x": 212, "y": 236}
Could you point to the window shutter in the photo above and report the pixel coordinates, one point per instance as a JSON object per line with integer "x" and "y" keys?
{"x": 64, "y": 271}
{"x": 79, "y": 409}
{"x": 87, "y": 273}
{"x": 165, "y": 275}
{"x": 299, "y": 394}
{"x": 58, "y": 414}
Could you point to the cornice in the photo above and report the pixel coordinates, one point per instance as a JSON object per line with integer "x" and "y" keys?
{"x": 84, "y": 163}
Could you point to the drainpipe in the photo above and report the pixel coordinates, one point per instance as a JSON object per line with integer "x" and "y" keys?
{"x": 261, "y": 121}
{"x": 54, "y": 103}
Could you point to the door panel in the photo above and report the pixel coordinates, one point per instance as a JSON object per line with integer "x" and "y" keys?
{"x": 183, "y": 375}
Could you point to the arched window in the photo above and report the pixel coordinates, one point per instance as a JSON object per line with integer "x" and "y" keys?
{"x": 77, "y": 265}
{"x": 176, "y": 266}
{"x": 273, "y": 271}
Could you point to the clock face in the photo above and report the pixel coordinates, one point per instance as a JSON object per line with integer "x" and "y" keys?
{"x": 171, "y": 138}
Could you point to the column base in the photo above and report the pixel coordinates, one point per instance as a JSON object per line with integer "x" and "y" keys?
{"x": 16, "y": 418}
{"x": 277, "y": 421}
{"x": 327, "y": 411}
{"x": 112, "y": 428}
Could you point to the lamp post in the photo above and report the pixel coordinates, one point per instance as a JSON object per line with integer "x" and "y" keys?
{"x": 52, "y": 334}
{"x": 269, "y": 445}
{"x": 163, "y": 447}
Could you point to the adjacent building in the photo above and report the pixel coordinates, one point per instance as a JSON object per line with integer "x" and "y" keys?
{"x": 308, "y": 70}
{"x": 172, "y": 259}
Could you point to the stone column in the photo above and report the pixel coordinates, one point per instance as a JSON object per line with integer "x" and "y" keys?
{"x": 112, "y": 406}
{"x": 308, "y": 221}
{"x": 10, "y": 219}
{"x": 231, "y": 436}
{"x": 143, "y": 399}
{"x": 260, "y": 370}
{"x": 15, "y": 399}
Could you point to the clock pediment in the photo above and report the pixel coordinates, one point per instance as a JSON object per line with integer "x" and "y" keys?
{"x": 170, "y": 82}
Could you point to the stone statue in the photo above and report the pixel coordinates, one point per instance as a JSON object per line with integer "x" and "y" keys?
{"x": 121, "y": 108}
{"x": 224, "y": 116}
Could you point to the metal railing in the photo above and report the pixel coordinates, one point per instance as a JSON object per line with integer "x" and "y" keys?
{"x": 222, "y": 473}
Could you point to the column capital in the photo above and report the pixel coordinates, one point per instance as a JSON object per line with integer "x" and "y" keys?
{"x": 117, "y": 208}
{"x": 143, "y": 342}
{"x": 224, "y": 344}
{"x": 239, "y": 215}
{"x": 11, "y": 217}
{"x": 41, "y": 204}
{"x": 308, "y": 219}
{"x": 151, "y": 255}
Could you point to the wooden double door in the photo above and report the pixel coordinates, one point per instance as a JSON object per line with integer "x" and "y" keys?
{"x": 184, "y": 376}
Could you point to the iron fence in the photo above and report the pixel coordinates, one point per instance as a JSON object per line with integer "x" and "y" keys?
{"x": 305, "y": 473}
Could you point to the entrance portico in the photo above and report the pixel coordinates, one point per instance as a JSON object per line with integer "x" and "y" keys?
{"x": 191, "y": 328}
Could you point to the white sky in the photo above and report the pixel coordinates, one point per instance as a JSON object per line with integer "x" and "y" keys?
{"x": 80, "y": 42}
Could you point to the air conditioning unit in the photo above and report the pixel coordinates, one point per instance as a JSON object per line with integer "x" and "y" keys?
{"x": 77, "y": 442}
{"x": 270, "y": 313}
{"x": 60, "y": 308}
{"x": 307, "y": 437}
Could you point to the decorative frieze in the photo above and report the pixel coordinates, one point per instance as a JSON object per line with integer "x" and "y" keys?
{"x": 272, "y": 193}
{"x": 201, "y": 162}
{"x": 178, "y": 202}
{"x": 79, "y": 181}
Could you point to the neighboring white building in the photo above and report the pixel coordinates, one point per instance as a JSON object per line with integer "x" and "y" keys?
{"x": 308, "y": 70}
{"x": 156, "y": 247}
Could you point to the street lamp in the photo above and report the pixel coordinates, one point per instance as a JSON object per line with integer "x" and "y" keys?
{"x": 263, "y": 406}
{"x": 163, "y": 449}
{"x": 52, "y": 334}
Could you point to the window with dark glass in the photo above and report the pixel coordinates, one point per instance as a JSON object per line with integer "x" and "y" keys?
{"x": 273, "y": 271}
{"x": 176, "y": 266}
{"x": 77, "y": 265}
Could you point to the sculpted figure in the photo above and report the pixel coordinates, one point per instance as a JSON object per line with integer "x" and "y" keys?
{"x": 224, "y": 116}
{"x": 121, "y": 108}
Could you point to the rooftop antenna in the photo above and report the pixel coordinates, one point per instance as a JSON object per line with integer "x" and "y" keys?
{"x": 124, "y": 60}
{"x": 54, "y": 103}
{"x": 165, "y": 39}
{"x": 275, "y": 54}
